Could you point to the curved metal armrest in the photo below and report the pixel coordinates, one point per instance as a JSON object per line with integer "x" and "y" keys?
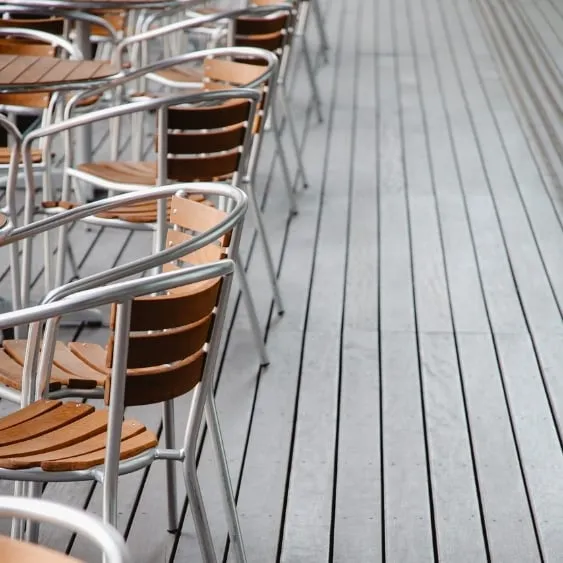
{"x": 146, "y": 34}
{"x": 77, "y": 15}
{"x": 105, "y": 536}
{"x": 142, "y": 264}
{"x": 118, "y": 292}
{"x": 129, "y": 76}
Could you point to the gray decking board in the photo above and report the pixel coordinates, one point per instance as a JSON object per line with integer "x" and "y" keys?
{"x": 412, "y": 408}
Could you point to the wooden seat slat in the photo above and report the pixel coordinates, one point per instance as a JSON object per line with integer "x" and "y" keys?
{"x": 95, "y": 443}
{"x": 130, "y": 447}
{"x": 68, "y": 362}
{"x": 34, "y": 410}
{"x": 80, "y": 430}
{"x": 15, "y": 349}
{"x": 63, "y": 414}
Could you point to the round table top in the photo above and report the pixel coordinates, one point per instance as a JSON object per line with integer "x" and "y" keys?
{"x": 53, "y": 5}
{"x": 26, "y": 74}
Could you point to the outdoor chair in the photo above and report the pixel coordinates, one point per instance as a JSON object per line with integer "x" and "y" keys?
{"x": 212, "y": 142}
{"x": 295, "y": 32}
{"x": 103, "y": 535}
{"x": 165, "y": 333}
{"x": 269, "y": 28}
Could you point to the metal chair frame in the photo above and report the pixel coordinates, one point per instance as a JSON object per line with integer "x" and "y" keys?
{"x": 246, "y": 172}
{"x": 102, "y": 289}
{"x": 228, "y": 18}
{"x": 103, "y": 535}
{"x": 8, "y": 210}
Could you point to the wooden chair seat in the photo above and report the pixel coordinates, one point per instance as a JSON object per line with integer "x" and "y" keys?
{"x": 142, "y": 173}
{"x": 36, "y": 155}
{"x": 14, "y": 551}
{"x": 182, "y": 74}
{"x": 64, "y": 436}
{"x": 68, "y": 369}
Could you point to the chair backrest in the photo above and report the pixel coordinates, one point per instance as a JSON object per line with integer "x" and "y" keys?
{"x": 205, "y": 142}
{"x": 54, "y": 25}
{"x": 169, "y": 332}
{"x": 268, "y": 32}
{"x": 116, "y": 18}
{"x": 219, "y": 73}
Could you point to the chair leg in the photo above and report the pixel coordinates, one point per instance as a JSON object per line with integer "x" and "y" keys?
{"x": 252, "y": 314}
{"x": 32, "y": 527}
{"x": 198, "y": 510}
{"x": 18, "y": 524}
{"x": 321, "y": 28}
{"x": 170, "y": 443}
{"x": 266, "y": 247}
{"x": 293, "y": 132}
{"x": 226, "y": 486}
{"x": 312, "y": 78}
{"x": 47, "y": 262}
{"x": 62, "y": 247}
{"x": 283, "y": 163}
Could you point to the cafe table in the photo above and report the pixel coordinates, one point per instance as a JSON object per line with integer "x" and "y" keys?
{"x": 22, "y": 74}
{"x": 67, "y": 7}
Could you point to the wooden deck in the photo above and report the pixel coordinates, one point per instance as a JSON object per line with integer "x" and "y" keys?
{"x": 413, "y": 407}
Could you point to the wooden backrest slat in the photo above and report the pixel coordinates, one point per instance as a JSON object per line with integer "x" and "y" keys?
{"x": 205, "y": 168}
{"x": 146, "y": 387}
{"x": 269, "y": 42}
{"x": 252, "y": 25}
{"x": 39, "y": 100}
{"x": 227, "y": 114}
{"x": 206, "y": 141}
{"x": 209, "y": 253}
{"x": 175, "y": 309}
{"x": 199, "y": 218}
{"x": 48, "y": 25}
{"x": 18, "y": 47}
{"x": 116, "y": 18}
{"x": 165, "y": 347}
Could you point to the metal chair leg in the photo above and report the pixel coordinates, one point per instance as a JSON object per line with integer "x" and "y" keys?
{"x": 226, "y": 487}
{"x": 293, "y": 132}
{"x": 321, "y": 28}
{"x": 32, "y": 527}
{"x": 170, "y": 443}
{"x": 312, "y": 78}
{"x": 253, "y": 204}
{"x": 293, "y": 209}
{"x": 252, "y": 314}
{"x": 198, "y": 511}
{"x": 18, "y": 526}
